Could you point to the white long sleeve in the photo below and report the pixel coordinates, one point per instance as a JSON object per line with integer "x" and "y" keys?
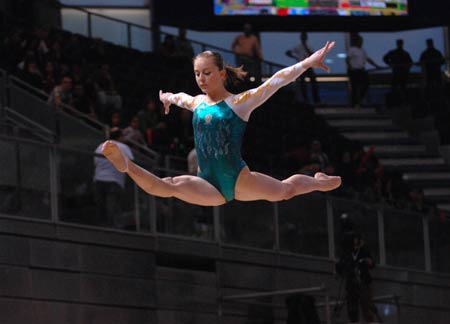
{"x": 245, "y": 102}
{"x": 184, "y": 100}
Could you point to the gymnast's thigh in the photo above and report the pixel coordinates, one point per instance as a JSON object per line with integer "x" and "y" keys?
{"x": 196, "y": 190}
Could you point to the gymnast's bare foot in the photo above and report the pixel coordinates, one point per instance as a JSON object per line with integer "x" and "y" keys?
{"x": 328, "y": 182}
{"x": 113, "y": 153}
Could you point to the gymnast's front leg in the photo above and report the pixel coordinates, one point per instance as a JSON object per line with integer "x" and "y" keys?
{"x": 191, "y": 189}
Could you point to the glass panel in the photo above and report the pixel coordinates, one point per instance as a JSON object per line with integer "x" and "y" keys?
{"x": 303, "y": 225}
{"x": 350, "y": 215}
{"x": 248, "y": 223}
{"x": 75, "y": 133}
{"x": 9, "y": 174}
{"x": 33, "y": 181}
{"x": 109, "y": 30}
{"x": 75, "y": 21}
{"x": 85, "y": 201}
{"x": 404, "y": 239}
{"x": 440, "y": 243}
{"x": 141, "y": 39}
{"x": 37, "y": 110}
{"x": 2, "y": 88}
{"x": 177, "y": 217}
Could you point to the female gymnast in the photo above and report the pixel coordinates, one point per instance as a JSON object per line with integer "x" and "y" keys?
{"x": 219, "y": 121}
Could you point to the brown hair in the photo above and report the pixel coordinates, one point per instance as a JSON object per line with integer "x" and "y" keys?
{"x": 234, "y": 75}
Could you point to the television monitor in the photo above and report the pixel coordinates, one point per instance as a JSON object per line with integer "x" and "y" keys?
{"x": 311, "y": 7}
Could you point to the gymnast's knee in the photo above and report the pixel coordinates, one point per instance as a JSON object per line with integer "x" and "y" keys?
{"x": 288, "y": 191}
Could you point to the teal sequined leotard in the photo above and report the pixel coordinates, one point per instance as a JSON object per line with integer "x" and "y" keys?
{"x": 218, "y": 133}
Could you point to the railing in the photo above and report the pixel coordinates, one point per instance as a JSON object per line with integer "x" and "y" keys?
{"x": 127, "y": 34}
{"x": 69, "y": 126}
{"x": 55, "y": 183}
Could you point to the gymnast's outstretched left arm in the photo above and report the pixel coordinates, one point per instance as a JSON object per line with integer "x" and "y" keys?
{"x": 245, "y": 102}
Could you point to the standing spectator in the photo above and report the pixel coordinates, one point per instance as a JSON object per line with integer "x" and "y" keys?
{"x": 109, "y": 183}
{"x": 248, "y": 53}
{"x": 354, "y": 266}
{"x": 359, "y": 78}
{"x": 300, "y": 52}
{"x": 167, "y": 48}
{"x": 108, "y": 98}
{"x": 400, "y": 61}
{"x": 431, "y": 60}
{"x": 62, "y": 94}
{"x": 183, "y": 47}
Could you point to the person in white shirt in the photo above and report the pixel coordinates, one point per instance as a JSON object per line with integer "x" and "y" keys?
{"x": 299, "y": 53}
{"x": 358, "y": 76}
{"x": 109, "y": 183}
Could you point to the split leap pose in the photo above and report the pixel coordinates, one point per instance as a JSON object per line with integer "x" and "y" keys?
{"x": 219, "y": 122}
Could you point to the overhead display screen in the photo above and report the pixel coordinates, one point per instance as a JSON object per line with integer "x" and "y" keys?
{"x": 311, "y": 7}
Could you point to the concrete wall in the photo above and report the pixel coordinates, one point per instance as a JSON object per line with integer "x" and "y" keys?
{"x": 78, "y": 275}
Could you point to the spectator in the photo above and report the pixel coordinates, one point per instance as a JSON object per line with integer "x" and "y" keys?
{"x": 400, "y": 61}
{"x": 321, "y": 157}
{"x": 62, "y": 94}
{"x": 132, "y": 134}
{"x": 50, "y": 77}
{"x": 248, "y": 53}
{"x": 167, "y": 48}
{"x": 183, "y": 47}
{"x": 109, "y": 183}
{"x": 150, "y": 121}
{"x": 115, "y": 120}
{"x": 358, "y": 76}
{"x": 431, "y": 60}
{"x": 299, "y": 53}
{"x": 81, "y": 101}
{"x": 354, "y": 266}
{"x": 108, "y": 98}
{"x": 32, "y": 75}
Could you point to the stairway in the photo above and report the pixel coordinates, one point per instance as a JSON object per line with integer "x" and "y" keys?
{"x": 396, "y": 149}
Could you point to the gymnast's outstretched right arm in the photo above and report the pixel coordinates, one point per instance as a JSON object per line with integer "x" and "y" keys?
{"x": 180, "y": 99}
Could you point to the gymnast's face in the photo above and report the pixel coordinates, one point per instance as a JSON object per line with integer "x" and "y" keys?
{"x": 207, "y": 74}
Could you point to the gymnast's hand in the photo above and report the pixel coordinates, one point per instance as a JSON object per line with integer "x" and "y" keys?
{"x": 164, "y": 97}
{"x": 317, "y": 58}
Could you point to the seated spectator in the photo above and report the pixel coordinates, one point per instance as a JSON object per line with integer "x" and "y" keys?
{"x": 50, "y": 77}
{"x": 132, "y": 133}
{"x": 62, "y": 94}
{"x": 108, "y": 97}
{"x": 167, "y": 47}
{"x": 31, "y": 75}
{"x": 81, "y": 101}
{"x": 183, "y": 47}
{"x": 150, "y": 121}
{"x": 321, "y": 157}
{"x": 115, "y": 120}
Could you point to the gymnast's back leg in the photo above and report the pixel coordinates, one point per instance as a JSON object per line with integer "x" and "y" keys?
{"x": 255, "y": 186}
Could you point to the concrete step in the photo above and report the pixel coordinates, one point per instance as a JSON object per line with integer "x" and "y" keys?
{"x": 396, "y": 162}
{"x": 364, "y": 124}
{"x": 340, "y": 113}
{"x": 398, "y": 150}
{"x": 443, "y": 207}
{"x": 432, "y": 176}
{"x": 437, "y": 192}
{"x": 395, "y": 137}
{"x": 427, "y": 179}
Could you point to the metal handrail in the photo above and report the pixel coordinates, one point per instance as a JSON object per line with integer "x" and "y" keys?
{"x": 129, "y": 24}
{"x": 100, "y": 127}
